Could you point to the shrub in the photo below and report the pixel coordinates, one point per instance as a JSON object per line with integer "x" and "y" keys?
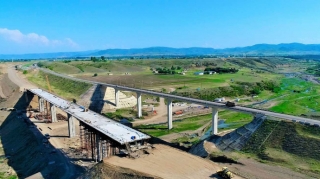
{"x": 25, "y": 71}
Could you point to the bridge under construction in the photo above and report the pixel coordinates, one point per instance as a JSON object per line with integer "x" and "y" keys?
{"x": 100, "y": 136}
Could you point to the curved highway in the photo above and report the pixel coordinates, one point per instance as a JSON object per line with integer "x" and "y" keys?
{"x": 303, "y": 120}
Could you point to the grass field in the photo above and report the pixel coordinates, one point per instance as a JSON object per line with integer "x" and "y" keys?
{"x": 192, "y": 123}
{"x": 232, "y": 120}
{"x": 62, "y": 87}
{"x": 297, "y": 103}
{"x": 250, "y": 70}
{"x": 289, "y": 144}
{"x": 142, "y": 76}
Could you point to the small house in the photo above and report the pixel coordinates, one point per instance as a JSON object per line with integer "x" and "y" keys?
{"x": 198, "y": 73}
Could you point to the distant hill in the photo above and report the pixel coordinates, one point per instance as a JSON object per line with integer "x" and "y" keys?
{"x": 258, "y": 49}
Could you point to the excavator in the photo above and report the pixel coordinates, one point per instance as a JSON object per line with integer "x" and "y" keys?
{"x": 225, "y": 173}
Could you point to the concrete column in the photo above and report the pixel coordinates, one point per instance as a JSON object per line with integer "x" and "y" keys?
{"x": 214, "y": 120}
{"x": 53, "y": 113}
{"x": 98, "y": 145}
{"x": 116, "y": 93}
{"x": 41, "y": 104}
{"x": 139, "y": 109}
{"x": 169, "y": 106}
{"x": 71, "y": 126}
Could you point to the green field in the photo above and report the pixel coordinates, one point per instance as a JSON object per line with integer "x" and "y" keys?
{"x": 192, "y": 123}
{"x": 303, "y": 102}
{"x": 288, "y": 144}
{"x": 232, "y": 120}
{"x": 294, "y": 96}
{"x": 62, "y": 87}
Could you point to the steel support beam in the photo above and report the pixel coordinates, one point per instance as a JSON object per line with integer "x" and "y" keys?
{"x": 139, "y": 109}
{"x": 71, "y": 126}
{"x": 214, "y": 124}
{"x": 169, "y": 106}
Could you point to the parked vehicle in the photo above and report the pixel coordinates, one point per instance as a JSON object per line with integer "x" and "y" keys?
{"x": 177, "y": 112}
{"x": 230, "y": 104}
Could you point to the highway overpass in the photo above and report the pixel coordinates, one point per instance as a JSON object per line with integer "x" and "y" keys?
{"x": 214, "y": 105}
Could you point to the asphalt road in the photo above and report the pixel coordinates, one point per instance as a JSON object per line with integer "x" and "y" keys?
{"x": 302, "y": 120}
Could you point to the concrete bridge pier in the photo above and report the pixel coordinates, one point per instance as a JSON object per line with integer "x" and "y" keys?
{"x": 169, "y": 106}
{"x": 214, "y": 120}
{"x": 116, "y": 93}
{"x": 71, "y": 126}
{"x": 98, "y": 148}
{"x": 139, "y": 109}
{"x": 53, "y": 113}
{"x": 41, "y": 104}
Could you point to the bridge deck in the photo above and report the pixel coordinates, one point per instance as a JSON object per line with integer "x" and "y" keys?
{"x": 106, "y": 126}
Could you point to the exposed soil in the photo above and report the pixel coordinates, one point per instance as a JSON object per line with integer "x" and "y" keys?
{"x": 108, "y": 171}
{"x": 168, "y": 162}
{"x": 252, "y": 169}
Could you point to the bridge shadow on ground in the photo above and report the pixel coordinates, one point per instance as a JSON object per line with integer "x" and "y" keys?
{"x": 96, "y": 100}
{"x": 26, "y": 149}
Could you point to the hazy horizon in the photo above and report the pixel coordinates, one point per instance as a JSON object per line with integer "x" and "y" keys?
{"x": 60, "y": 26}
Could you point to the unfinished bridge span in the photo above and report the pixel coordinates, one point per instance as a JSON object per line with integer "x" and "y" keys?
{"x": 100, "y": 136}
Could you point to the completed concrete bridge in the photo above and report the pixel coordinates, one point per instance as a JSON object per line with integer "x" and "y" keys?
{"x": 214, "y": 105}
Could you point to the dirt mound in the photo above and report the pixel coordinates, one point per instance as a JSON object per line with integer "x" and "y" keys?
{"x": 108, "y": 171}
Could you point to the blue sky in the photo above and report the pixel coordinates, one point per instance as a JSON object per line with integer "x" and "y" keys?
{"x": 35, "y": 26}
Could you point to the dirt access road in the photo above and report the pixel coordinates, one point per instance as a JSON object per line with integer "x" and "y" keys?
{"x": 168, "y": 162}
{"x": 17, "y": 78}
{"x": 161, "y": 116}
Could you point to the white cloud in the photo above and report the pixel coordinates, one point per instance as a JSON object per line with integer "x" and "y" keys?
{"x": 18, "y": 37}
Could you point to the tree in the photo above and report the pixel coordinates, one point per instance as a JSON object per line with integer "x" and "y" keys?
{"x": 95, "y": 74}
{"x": 94, "y": 59}
{"x": 103, "y": 58}
{"x": 173, "y": 68}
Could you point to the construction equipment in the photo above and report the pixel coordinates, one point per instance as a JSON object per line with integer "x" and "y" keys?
{"x": 49, "y": 87}
{"x": 225, "y": 173}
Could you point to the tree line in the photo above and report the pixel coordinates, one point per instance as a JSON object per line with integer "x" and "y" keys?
{"x": 166, "y": 70}
{"x": 235, "y": 90}
{"x": 222, "y": 70}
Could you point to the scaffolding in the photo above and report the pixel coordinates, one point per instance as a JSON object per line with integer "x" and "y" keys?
{"x": 97, "y": 146}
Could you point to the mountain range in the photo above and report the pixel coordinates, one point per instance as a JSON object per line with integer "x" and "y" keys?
{"x": 258, "y": 49}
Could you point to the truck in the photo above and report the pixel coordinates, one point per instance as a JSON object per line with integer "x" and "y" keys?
{"x": 177, "y": 112}
{"x": 230, "y": 104}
